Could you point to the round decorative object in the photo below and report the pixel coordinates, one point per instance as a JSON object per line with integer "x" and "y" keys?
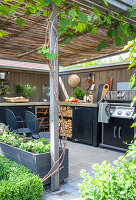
{"x": 74, "y": 80}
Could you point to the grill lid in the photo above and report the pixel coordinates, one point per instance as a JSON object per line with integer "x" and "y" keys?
{"x": 119, "y": 96}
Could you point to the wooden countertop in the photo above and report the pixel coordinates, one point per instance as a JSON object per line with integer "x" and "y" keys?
{"x": 48, "y": 103}
{"x": 78, "y": 104}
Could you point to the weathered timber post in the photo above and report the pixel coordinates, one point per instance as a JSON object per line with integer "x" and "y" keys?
{"x": 54, "y": 124}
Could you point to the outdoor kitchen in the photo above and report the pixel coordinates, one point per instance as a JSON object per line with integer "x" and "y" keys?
{"x": 101, "y": 117}
{"x": 67, "y": 100}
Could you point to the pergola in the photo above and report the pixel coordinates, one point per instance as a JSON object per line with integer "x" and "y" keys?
{"x": 23, "y": 43}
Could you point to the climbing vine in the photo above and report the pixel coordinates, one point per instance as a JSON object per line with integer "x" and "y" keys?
{"x": 72, "y": 21}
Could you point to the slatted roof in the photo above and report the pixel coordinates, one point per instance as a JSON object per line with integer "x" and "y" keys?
{"x": 22, "y": 43}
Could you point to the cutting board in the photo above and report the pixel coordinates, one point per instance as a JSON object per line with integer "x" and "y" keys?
{"x": 16, "y": 99}
{"x": 104, "y": 90}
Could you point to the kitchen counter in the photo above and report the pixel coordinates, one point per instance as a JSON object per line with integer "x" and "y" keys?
{"x": 48, "y": 103}
{"x": 78, "y": 104}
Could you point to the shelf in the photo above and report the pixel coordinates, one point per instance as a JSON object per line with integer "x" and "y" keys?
{"x": 65, "y": 117}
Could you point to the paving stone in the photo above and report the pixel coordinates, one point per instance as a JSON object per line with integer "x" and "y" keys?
{"x": 68, "y": 188}
{"x": 58, "y": 191}
{"x": 74, "y": 184}
{"x": 88, "y": 156}
{"x": 76, "y": 194}
{"x": 69, "y": 197}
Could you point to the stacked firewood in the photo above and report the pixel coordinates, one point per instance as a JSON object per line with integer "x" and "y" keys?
{"x": 42, "y": 113}
{"x": 68, "y": 126}
{"x": 67, "y": 112}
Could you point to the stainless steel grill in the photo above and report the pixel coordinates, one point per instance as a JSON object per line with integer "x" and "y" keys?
{"x": 116, "y": 116}
{"x": 120, "y": 103}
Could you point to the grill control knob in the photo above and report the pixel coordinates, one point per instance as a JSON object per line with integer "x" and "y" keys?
{"x": 128, "y": 113}
{"x": 111, "y": 112}
{"x": 119, "y": 112}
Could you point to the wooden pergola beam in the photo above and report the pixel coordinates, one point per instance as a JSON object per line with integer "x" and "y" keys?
{"x": 116, "y": 6}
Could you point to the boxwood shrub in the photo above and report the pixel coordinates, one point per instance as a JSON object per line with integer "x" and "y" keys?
{"x": 18, "y": 183}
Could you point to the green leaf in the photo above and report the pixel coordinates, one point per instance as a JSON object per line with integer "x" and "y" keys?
{"x": 3, "y": 33}
{"x": 109, "y": 33}
{"x": 105, "y": 1}
{"x": 133, "y": 125}
{"x": 94, "y": 30}
{"x": 45, "y": 13}
{"x": 76, "y": 8}
{"x": 52, "y": 56}
{"x": 74, "y": 23}
{"x": 96, "y": 12}
{"x": 133, "y": 63}
{"x": 46, "y": 2}
{"x": 37, "y": 14}
{"x": 72, "y": 13}
{"x": 58, "y": 2}
{"x": 64, "y": 22}
{"x": 68, "y": 39}
{"x": 101, "y": 45}
{"x": 111, "y": 14}
{"x": 20, "y": 22}
{"x": 133, "y": 11}
{"x": 124, "y": 28}
{"x": 81, "y": 27}
{"x": 83, "y": 17}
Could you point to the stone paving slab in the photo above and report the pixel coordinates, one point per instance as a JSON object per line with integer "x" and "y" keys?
{"x": 81, "y": 156}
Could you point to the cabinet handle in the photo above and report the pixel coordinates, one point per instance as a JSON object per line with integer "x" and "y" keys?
{"x": 115, "y": 127}
{"x": 119, "y": 132}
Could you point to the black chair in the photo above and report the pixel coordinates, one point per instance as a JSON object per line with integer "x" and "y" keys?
{"x": 12, "y": 122}
{"x": 32, "y": 123}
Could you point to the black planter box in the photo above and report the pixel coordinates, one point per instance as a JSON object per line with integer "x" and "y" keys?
{"x": 39, "y": 164}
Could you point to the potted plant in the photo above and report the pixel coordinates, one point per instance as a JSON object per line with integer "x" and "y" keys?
{"x": 4, "y": 89}
{"x": 25, "y": 90}
{"x": 78, "y": 93}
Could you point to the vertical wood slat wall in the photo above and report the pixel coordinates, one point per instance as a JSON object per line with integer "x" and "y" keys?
{"x": 37, "y": 79}
{"x": 119, "y": 73}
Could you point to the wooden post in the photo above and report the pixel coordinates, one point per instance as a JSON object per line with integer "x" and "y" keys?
{"x": 54, "y": 120}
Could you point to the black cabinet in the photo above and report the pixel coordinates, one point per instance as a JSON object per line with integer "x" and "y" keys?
{"x": 85, "y": 127}
{"x": 117, "y": 133}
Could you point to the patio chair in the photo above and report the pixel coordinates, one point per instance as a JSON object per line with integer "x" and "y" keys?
{"x": 12, "y": 122}
{"x": 32, "y": 123}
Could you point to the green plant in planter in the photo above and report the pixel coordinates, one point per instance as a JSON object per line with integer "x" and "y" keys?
{"x": 25, "y": 90}
{"x": 4, "y": 89}
{"x": 78, "y": 93}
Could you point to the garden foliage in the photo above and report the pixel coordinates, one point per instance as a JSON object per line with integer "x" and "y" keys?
{"x": 18, "y": 183}
{"x": 78, "y": 93}
{"x": 25, "y": 90}
{"x": 41, "y": 145}
{"x": 113, "y": 182}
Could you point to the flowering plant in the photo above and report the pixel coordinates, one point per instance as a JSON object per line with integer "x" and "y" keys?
{"x": 4, "y": 89}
